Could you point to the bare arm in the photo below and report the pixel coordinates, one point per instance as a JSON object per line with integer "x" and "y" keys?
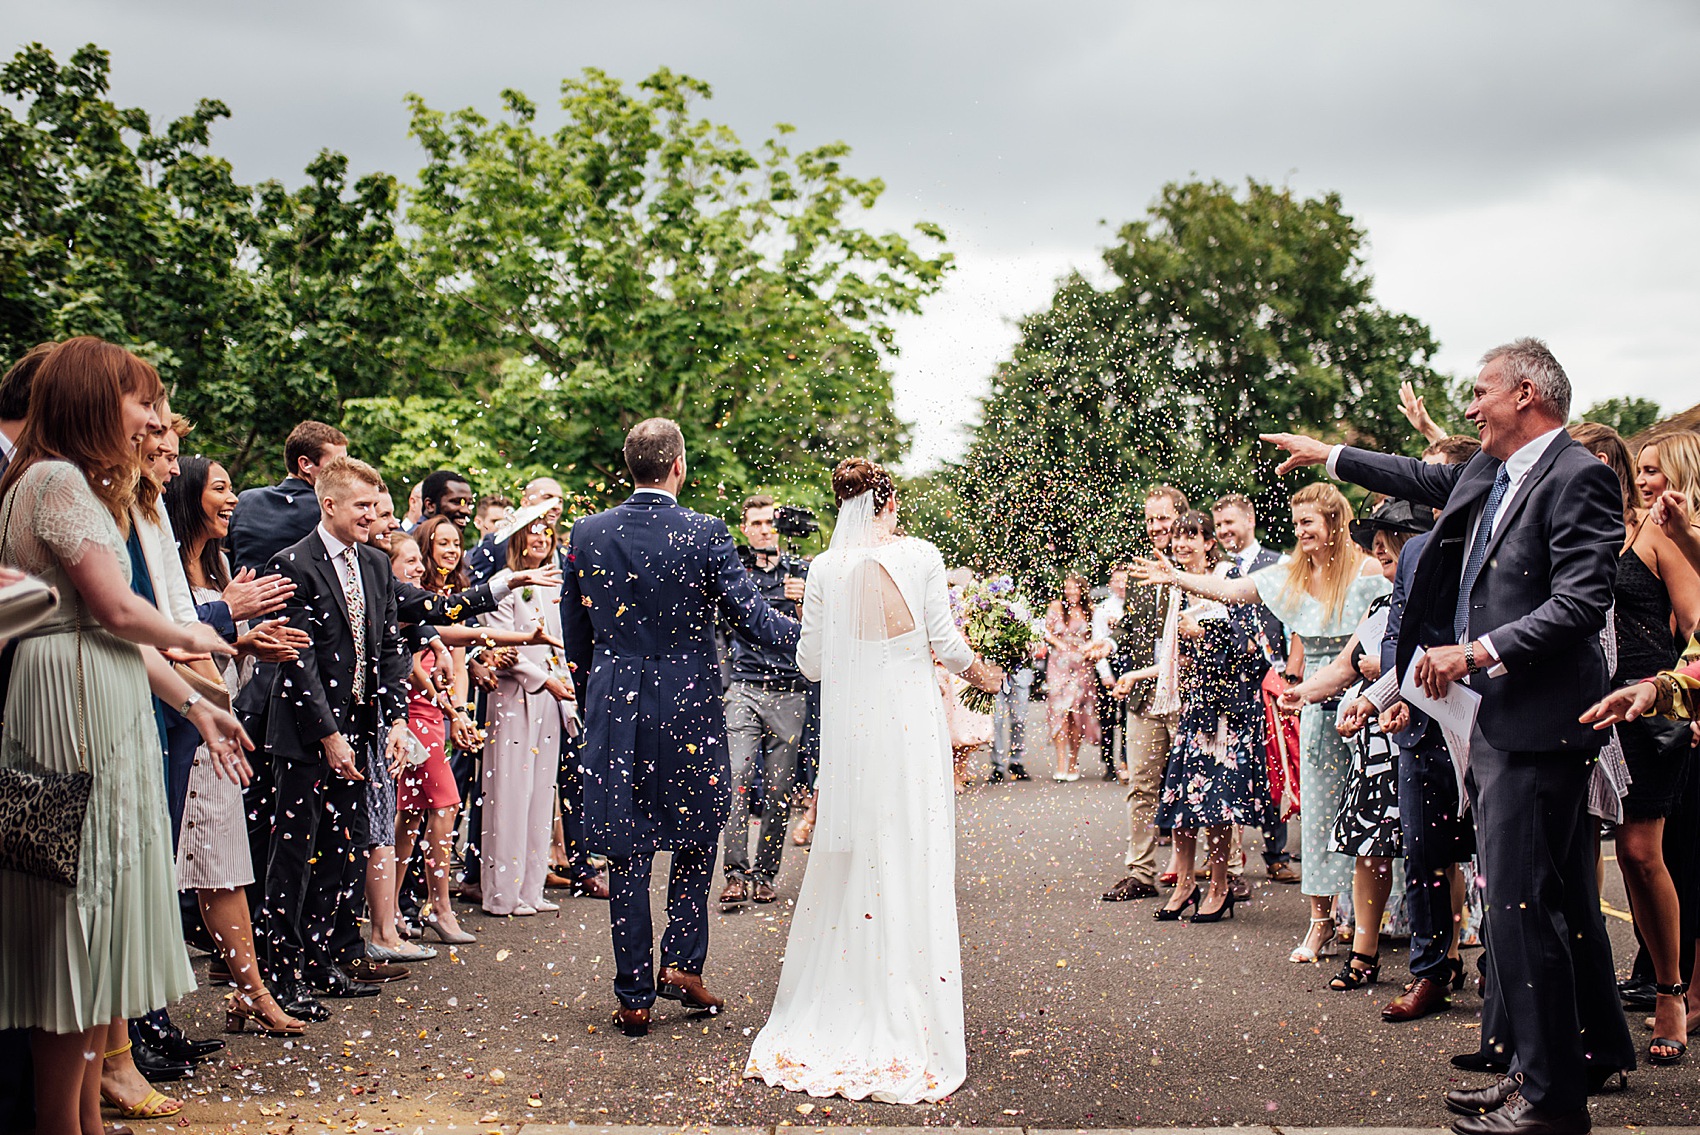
{"x": 108, "y": 597}
{"x": 1158, "y": 571}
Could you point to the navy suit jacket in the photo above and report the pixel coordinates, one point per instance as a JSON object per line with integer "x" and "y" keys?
{"x": 644, "y": 582}
{"x": 269, "y": 519}
{"x": 1408, "y": 556}
{"x": 1273, "y": 632}
{"x": 1542, "y": 594}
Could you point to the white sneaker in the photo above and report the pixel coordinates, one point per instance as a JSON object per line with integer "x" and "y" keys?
{"x": 544, "y": 906}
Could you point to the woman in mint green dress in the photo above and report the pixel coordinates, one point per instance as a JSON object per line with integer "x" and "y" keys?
{"x": 76, "y": 961}
{"x": 1320, "y": 595}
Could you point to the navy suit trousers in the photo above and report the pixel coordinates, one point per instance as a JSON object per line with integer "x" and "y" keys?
{"x": 1552, "y": 990}
{"x": 684, "y": 944}
{"x": 1430, "y": 826}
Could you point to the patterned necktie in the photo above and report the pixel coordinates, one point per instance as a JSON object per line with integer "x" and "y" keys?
{"x": 1478, "y": 552}
{"x": 355, "y": 596}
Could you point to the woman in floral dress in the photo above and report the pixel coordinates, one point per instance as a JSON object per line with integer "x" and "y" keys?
{"x": 1216, "y": 776}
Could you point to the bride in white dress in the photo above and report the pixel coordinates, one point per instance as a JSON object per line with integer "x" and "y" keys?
{"x": 870, "y": 995}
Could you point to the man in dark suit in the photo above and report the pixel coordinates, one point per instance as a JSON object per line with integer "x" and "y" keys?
{"x": 272, "y": 517}
{"x": 644, "y": 583}
{"x": 340, "y": 704}
{"x": 1509, "y": 594}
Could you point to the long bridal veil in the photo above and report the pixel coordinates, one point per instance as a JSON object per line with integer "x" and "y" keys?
{"x": 870, "y": 996}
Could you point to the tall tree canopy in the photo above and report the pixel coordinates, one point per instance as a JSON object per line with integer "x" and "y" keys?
{"x": 1224, "y": 314}
{"x": 547, "y": 290}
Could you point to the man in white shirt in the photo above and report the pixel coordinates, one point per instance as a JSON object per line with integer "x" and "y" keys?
{"x": 1509, "y": 596}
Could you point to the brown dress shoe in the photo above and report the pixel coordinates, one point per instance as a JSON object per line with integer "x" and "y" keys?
{"x": 557, "y": 881}
{"x": 735, "y": 894}
{"x": 687, "y": 989}
{"x": 593, "y": 887}
{"x": 1283, "y": 873}
{"x": 1129, "y": 888}
{"x": 365, "y": 969}
{"x": 763, "y": 892}
{"x": 632, "y": 1022}
{"x": 1425, "y": 996}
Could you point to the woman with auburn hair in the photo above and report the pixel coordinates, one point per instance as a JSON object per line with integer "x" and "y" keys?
{"x": 1320, "y": 595}
{"x": 76, "y": 961}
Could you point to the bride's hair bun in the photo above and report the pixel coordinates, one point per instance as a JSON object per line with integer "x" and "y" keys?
{"x": 857, "y": 475}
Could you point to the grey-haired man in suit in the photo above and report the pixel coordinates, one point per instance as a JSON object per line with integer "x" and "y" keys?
{"x": 1509, "y": 596}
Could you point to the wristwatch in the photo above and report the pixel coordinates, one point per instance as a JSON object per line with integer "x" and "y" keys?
{"x": 1470, "y": 658}
{"x": 183, "y": 710}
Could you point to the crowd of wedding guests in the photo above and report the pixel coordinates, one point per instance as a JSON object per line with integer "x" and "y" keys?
{"x": 308, "y": 720}
{"x": 1208, "y": 646}
{"x": 318, "y": 723}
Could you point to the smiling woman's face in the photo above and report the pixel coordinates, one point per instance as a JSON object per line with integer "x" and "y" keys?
{"x": 218, "y": 501}
{"x": 445, "y": 548}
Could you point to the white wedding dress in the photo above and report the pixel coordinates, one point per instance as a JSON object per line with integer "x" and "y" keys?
{"x": 870, "y": 994}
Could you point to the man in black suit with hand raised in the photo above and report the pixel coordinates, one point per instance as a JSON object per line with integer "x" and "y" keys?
{"x": 1509, "y": 596}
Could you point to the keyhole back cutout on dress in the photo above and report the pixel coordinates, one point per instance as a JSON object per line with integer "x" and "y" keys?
{"x": 881, "y": 611}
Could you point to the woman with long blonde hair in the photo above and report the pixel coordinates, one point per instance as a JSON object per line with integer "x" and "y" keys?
{"x": 1656, "y": 608}
{"x": 1320, "y": 595}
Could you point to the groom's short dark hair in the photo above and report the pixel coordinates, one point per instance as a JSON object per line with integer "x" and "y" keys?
{"x": 651, "y": 448}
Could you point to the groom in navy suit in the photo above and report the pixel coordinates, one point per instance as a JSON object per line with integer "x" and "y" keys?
{"x": 643, "y": 584}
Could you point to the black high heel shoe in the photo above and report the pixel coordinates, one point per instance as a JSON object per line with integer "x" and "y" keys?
{"x": 1165, "y": 914}
{"x": 1351, "y": 977}
{"x": 1227, "y": 908}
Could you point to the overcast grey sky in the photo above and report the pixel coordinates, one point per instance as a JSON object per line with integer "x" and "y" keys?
{"x": 1521, "y": 168}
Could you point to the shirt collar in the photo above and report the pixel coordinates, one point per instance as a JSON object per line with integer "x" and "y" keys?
{"x": 334, "y": 547}
{"x": 1249, "y": 552}
{"x": 1517, "y": 466}
{"x": 657, "y": 492}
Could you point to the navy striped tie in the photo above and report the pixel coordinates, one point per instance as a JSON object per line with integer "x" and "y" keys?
{"x": 1478, "y": 552}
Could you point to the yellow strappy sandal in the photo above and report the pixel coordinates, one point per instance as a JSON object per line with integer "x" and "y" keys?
{"x": 154, "y": 1105}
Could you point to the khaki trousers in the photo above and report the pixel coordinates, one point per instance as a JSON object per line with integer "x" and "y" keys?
{"x": 1149, "y": 739}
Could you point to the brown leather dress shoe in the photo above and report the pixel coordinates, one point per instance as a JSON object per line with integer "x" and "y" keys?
{"x": 632, "y": 1022}
{"x": 594, "y": 887}
{"x": 556, "y": 880}
{"x": 688, "y": 990}
{"x": 365, "y": 969}
{"x": 1283, "y": 873}
{"x": 763, "y": 892}
{"x": 1129, "y": 888}
{"x": 1520, "y": 1117}
{"x": 736, "y": 893}
{"x": 1480, "y": 1101}
{"x": 1424, "y": 997}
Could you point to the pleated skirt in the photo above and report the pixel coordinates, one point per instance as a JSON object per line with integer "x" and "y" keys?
{"x": 74, "y": 958}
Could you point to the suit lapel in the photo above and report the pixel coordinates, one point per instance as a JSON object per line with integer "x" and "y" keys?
{"x": 321, "y": 561}
{"x": 1524, "y": 491}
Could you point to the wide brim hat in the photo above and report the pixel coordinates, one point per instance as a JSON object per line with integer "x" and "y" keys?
{"x": 1392, "y": 515}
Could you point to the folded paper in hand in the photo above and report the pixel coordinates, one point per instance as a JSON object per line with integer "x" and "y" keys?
{"x": 1454, "y": 712}
{"x": 24, "y": 605}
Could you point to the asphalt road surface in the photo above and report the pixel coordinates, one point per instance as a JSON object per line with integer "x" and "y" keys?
{"x": 1080, "y": 1014}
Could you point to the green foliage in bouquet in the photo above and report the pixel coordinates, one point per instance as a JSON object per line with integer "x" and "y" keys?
{"x": 997, "y": 621}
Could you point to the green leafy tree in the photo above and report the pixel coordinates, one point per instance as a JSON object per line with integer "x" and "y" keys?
{"x": 639, "y": 261}
{"x": 260, "y": 306}
{"x": 1225, "y": 314}
{"x": 1628, "y": 416}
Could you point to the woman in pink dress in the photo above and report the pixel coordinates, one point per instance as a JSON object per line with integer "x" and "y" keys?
{"x": 1071, "y": 692}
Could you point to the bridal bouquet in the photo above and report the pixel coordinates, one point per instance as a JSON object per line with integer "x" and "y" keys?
{"x": 997, "y": 621}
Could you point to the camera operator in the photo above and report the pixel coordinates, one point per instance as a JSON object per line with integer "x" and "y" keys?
{"x": 766, "y": 705}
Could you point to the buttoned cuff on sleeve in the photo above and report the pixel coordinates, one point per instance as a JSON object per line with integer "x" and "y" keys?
{"x": 1333, "y": 460}
{"x": 1495, "y": 668}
